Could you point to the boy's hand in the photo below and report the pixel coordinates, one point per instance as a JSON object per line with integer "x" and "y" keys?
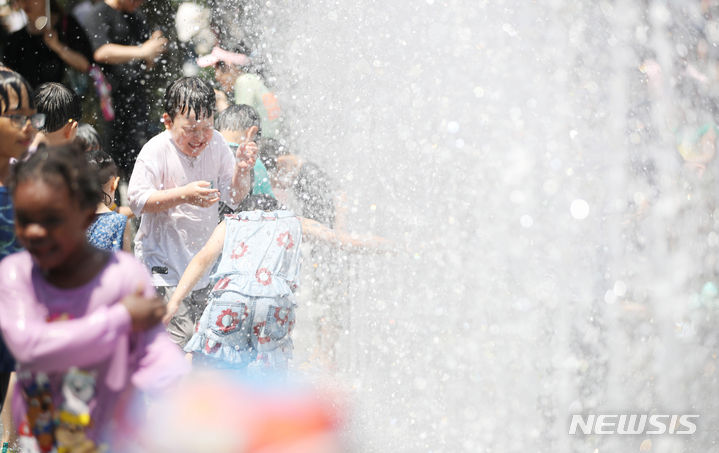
{"x": 200, "y": 193}
{"x": 246, "y": 153}
{"x": 144, "y": 313}
{"x": 153, "y": 48}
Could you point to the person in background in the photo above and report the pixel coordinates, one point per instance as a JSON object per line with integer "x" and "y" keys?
{"x": 126, "y": 50}
{"x": 239, "y": 125}
{"x": 62, "y": 110}
{"x": 89, "y": 141}
{"x": 312, "y": 190}
{"x": 109, "y": 230}
{"x": 233, "y": 74}
{"x": 87, "y": 138}
{"x": 41, "y": 51}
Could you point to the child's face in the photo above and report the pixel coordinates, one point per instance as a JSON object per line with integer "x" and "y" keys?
{"x": 190, "y": 135}
{"x": 48, "y": 223}
{"x": 239, "y": 137}
{"x": 226, "y": 76}
{"x": 16, "y": 135}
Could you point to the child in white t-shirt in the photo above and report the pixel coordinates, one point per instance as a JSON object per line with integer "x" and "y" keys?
{"x": 178, "y": 178}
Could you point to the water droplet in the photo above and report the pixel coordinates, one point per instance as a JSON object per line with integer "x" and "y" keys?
{"x": 620, "y": 288}
{"x": 579, "y": 209}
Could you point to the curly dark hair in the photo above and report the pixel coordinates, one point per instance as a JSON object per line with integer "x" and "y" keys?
{"x": 66, "y": 165}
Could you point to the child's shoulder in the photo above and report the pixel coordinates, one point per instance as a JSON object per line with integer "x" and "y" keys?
{"x": 158, "y": 144}
{"x": 16, "y": 269}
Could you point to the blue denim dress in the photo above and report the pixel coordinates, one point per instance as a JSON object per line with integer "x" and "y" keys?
{"x": 250, "y": 312}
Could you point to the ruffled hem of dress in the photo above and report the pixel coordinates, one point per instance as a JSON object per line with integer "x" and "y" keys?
{"x": 278, "y": 287}
{"x": 230, "y": 354}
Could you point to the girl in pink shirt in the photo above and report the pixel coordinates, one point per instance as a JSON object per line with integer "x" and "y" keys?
{"x": 74, "y": 316}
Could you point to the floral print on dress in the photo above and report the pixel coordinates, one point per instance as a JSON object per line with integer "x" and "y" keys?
{"x": 107, "y": 231}
{"x": 221, "y": 284}
{"x": 285, "y": 240}
{"x": 264, "y": 276}
{"x": 239, "y": 251}
{"x": 212, "y": 346}
{"x": 227, "y": 320}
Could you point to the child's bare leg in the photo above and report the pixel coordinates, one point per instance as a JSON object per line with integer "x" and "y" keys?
{"x": 9, "y": 433}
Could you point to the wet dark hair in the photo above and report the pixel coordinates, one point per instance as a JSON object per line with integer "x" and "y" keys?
{"x": 88, "y": 138}
{"x": 104, "y": 167}
{"x": 12, "y": 81}
{"x": 269, "y": 150}
{"x": 65, "y": 165}
{"x": 188, "y": 94}
{"x": 59, "y": 104}
{"x": 238, "y": 117}
{"x": 259, "y": 201}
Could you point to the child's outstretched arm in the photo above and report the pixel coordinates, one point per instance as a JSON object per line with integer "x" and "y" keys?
{"x": 311, "y": 229}
{"x": 196, "y": 269}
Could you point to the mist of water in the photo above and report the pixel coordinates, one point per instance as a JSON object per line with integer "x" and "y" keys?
{"x": 554, "y": 249}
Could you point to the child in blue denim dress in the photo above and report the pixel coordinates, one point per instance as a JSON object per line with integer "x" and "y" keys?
{"x": 251, "y": 310}
{"x": 110, "y": 230}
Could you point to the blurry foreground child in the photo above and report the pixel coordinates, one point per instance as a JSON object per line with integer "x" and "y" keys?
{"x": 83, "y": 337}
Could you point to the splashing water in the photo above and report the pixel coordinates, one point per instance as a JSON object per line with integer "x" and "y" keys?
{"x": 556, "y": 255}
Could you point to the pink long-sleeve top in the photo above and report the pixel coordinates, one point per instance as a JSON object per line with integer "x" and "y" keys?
{"x": 76, "y": 354}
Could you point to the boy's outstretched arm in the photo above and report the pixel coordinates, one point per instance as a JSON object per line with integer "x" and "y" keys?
{"x": 196, "y": 269}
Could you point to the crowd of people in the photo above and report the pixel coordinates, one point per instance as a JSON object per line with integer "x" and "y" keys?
{"x": 104, "y": 295}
